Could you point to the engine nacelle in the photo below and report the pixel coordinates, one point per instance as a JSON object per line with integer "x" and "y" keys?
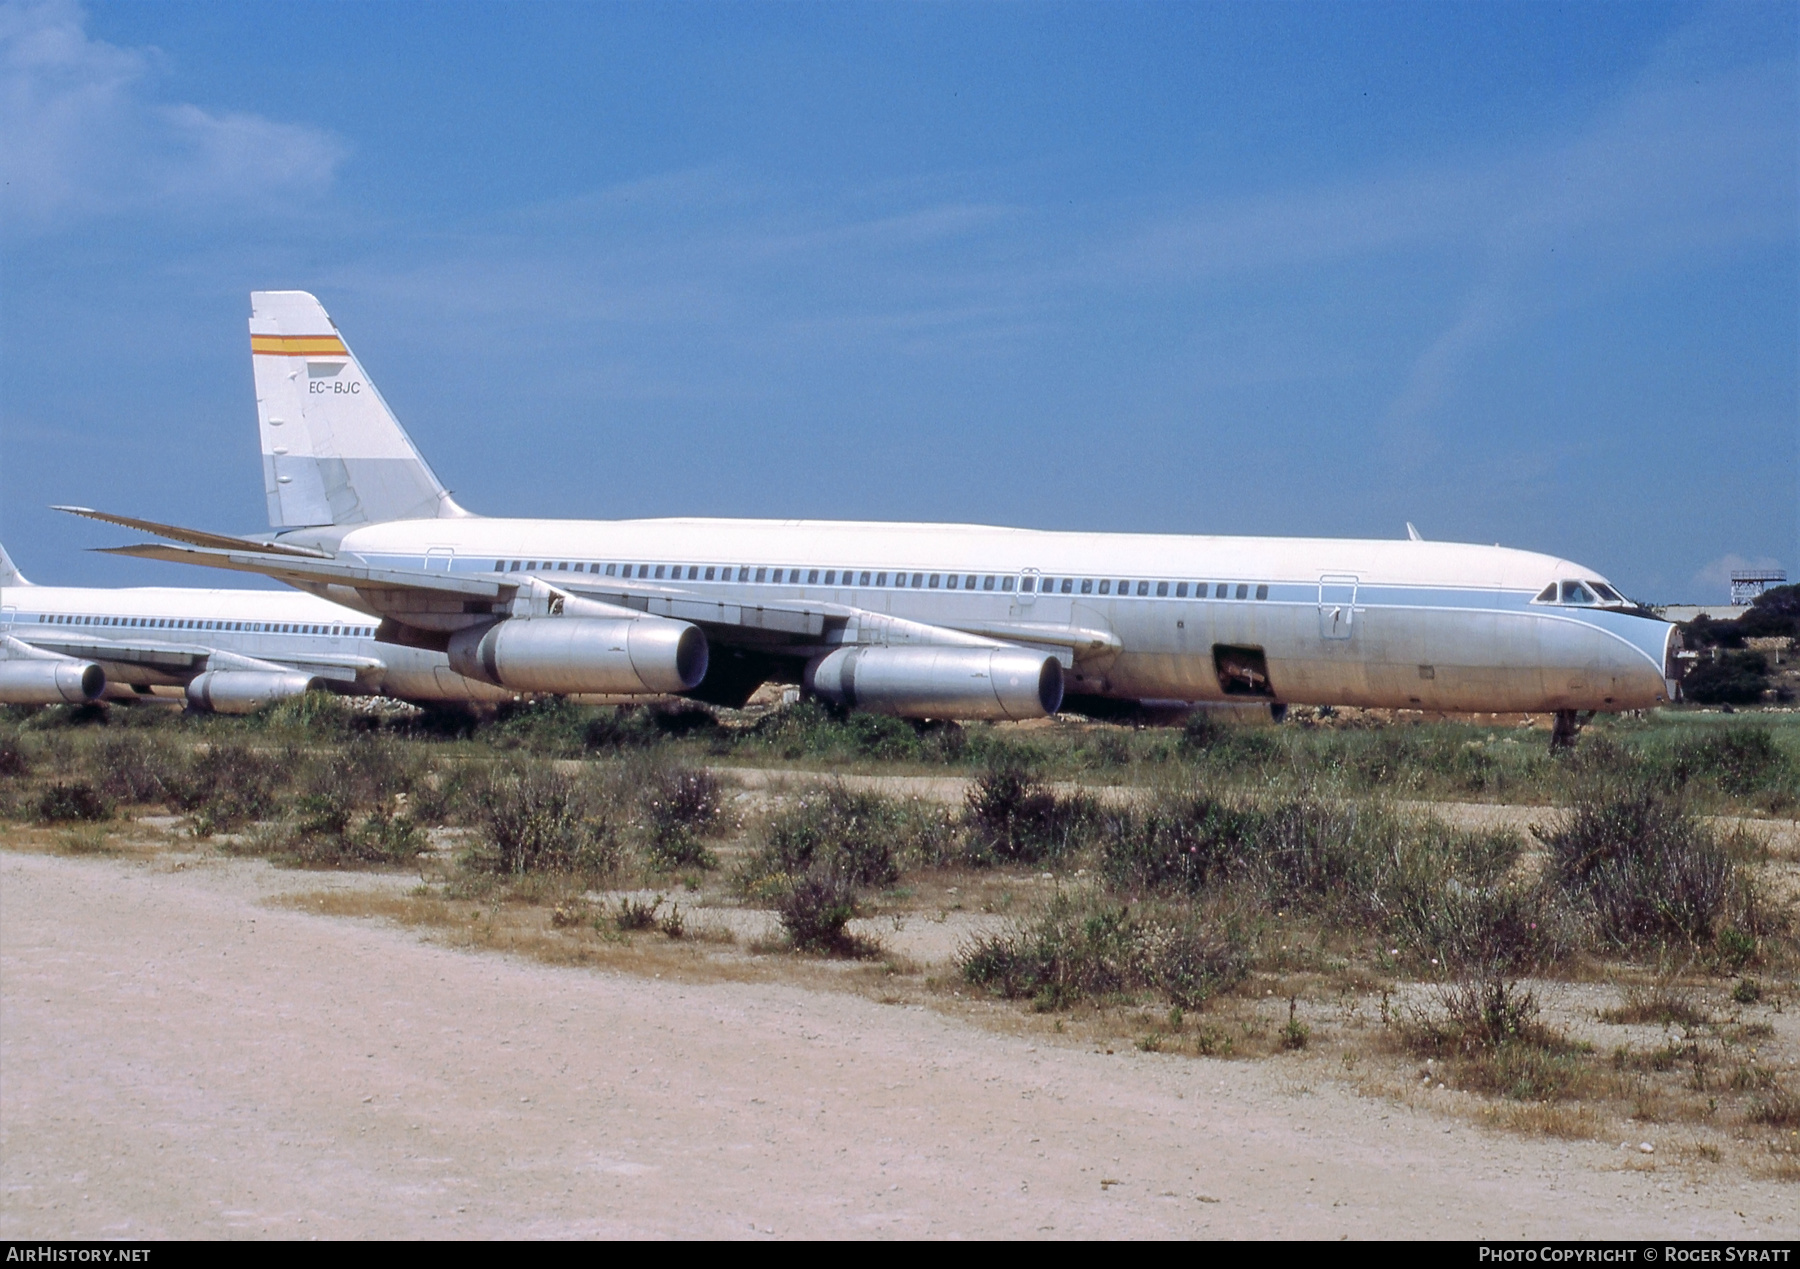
{"x": 58, "y": 681}
{"x": 246, "y": 691}
{"x": 928, "y": 682}
{"x": 570, "y": 655}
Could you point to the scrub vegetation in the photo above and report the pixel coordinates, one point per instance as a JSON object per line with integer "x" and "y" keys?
{"x": 1213, "y": 889}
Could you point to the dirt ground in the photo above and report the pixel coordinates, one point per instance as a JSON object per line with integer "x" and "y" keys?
{"x": 181, "y": 1055}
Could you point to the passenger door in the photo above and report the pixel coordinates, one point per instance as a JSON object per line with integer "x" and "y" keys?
{"x": 1029, "y": 580}
{"x": 1337, "y": 606}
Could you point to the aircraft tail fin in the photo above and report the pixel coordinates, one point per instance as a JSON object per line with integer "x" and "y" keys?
{"x": 333, "y": 453}
{"x": 9, "y": 572}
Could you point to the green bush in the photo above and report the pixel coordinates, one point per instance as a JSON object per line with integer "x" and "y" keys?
{"x": 12, "y": 757}
{"x": 815, "y": 910}
{"x": 847, "y": 833}
{"x": 678, "y": 804}
{"x": 1180, "y": 842}
{"x": 1083, "y": 947}
{"x": 137, "y": 768}
{"x": 317, "y": 713}
{"x": 1014, "y": 817}
{"x": 1648, "y": 870}
{"x": 535, "y": 819}
{"x": 1737, "y": 759}
{"x": 644, "y": 727}
{"x": 78, "y": 800}
{"x": 1736, "y": 678}
{"x": 225, "y": 785}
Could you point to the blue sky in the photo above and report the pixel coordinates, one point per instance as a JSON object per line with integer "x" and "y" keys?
{"x": 1517, "y": 272}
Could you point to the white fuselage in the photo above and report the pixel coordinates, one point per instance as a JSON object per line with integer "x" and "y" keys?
{"x": 284, "y": 627}
{"x": 1403, "y": 624}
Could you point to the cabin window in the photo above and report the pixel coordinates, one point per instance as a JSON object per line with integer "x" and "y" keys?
{"x": 1026, "y": 583}
{"x": 1106, "y": 586}
{"x": 1068, "y": 584}
{"x": 1262, "y": 592}
{"x": 693, "y": 572}
{"x": 1143, "y": 588}
{"x": 1180, "y": 590}
{"x": 1243, "y": 590}
{"x": 712, "y": 572}
{"x": 831, "y": 577}
{"x": 987, "y": 583}
{"x": 1162, "y": 589}
{"x": 812, "y": 577}
{"x": 864, "y": 580}
{"x": 563, "y": 566}
{"x": 950, "y": 582}
{"x": 934, "y": 581}
{"x": 1006, "y": 583}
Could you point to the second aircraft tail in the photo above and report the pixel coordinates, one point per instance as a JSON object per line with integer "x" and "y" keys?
{"x": 333, "y": 453}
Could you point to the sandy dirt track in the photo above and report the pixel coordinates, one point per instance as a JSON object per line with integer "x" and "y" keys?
{"x": 177, "y": 1058}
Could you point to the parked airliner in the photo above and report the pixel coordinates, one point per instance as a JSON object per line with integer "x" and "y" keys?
{"x": 917, "y": 620}
{"x": 231, "y": 651}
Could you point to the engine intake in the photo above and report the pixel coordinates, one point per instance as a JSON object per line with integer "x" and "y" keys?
{"x": 569, "y": 655}
{"x": 60, "y": 681}
{"x": 246, "y": 691}
{"x": 990, "y": 683}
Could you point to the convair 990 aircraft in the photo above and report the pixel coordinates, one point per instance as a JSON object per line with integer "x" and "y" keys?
{"x": 916, "y": 620}
{"x": 232, "y": 651}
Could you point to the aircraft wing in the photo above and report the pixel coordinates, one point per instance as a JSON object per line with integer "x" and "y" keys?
{"x": 181, "y": 658}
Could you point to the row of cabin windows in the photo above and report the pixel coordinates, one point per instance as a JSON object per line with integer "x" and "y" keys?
{"x": 183, "y": 623}
{"x": 866, "y": 577}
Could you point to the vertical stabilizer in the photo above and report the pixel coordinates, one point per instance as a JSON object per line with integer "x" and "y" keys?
{"x": 333, "y": 453}
{"x": 9, "y": 572}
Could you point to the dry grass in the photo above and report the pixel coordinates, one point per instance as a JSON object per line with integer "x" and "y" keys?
{"x": 1551, "y": 1119}
{"x": 1665, "y": 1003}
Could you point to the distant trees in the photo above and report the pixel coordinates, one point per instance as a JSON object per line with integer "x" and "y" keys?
{"x": 1739, "y": 676}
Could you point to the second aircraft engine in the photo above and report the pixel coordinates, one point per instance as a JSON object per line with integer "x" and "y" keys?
{"x": 51, "y": 681}
{"x": 927, "y": 682}
{"x": 570, "y": 655}
{"x": 246, "y": 691}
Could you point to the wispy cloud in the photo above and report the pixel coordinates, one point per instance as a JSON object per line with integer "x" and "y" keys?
{"x": 83, "y": 134}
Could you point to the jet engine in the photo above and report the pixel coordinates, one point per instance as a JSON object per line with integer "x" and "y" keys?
{"x": 928, "y": 682}
{"x": 50, "y": 681}
{"x": 570, "y": 655}
{"x": 245, "y": 691}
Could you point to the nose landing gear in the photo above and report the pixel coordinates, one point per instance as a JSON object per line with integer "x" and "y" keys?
{"x": 1568, "y": 724}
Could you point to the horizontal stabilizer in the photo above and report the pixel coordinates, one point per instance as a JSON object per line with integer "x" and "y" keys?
{"x": 194, "y": 537}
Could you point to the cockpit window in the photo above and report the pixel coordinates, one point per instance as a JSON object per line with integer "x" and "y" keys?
{"x": 1606, "y": 593}
{"x": 1576, "y": 593}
